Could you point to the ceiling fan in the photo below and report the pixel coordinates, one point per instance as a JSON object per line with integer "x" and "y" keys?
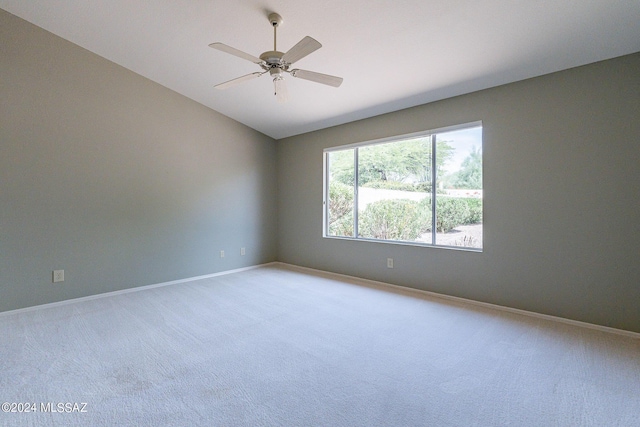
{"x": 277, "y": 63}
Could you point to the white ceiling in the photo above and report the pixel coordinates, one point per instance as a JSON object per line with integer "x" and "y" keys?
{"x": 393, "y": 54}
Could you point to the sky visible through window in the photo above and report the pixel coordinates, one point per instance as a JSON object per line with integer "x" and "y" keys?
{"x": 466, "y": 141}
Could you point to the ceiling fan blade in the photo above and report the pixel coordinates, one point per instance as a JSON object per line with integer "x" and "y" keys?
{"x": 302, "y": 49}
{"x": 325, "y": 79}
{"x": 233, "y": 51}
{"x": 238, "y": 80}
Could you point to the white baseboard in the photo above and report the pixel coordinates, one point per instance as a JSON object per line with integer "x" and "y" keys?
{"x": 466, "y": 301}
{"x": 337, "y": 276}
{"x": 129, "y": 290}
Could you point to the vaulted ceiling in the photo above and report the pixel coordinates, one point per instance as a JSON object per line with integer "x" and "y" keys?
{"x": 391, "y": 54}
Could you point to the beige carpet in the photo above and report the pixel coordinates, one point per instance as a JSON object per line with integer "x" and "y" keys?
{"x": 278, "y": 347}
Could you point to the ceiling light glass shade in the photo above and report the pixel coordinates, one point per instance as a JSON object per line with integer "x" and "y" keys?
{"x": 282, "y": 95}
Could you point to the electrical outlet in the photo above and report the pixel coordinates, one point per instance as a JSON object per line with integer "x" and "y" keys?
{"x": 242, "y": 251}
{"x": 58, "y": 276}
{"x": 389, "y": 262}
{"x": 221, "y": 254}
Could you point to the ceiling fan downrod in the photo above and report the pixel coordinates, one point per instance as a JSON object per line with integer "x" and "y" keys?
{"x": 275, "y": 20}
{"x": 276, "y": 67}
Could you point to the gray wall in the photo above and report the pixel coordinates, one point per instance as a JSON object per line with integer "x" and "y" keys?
{"x": 561, "y": 186}
{"x": 116, "y": 179}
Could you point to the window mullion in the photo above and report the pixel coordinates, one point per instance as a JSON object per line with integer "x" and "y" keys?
{"x": 326, "y": 200}
{"x": 433, "y": 189}
{"x": 355, "y": 193}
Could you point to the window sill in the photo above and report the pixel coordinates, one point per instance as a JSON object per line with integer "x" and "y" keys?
{"x": 403, "y": 243}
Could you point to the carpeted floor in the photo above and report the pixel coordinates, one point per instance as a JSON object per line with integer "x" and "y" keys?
{"x": 279, "y": 347}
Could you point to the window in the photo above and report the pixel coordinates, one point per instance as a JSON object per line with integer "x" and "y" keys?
{"x": 390, "y": 190}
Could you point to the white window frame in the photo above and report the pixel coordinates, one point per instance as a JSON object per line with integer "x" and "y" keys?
{"x": 325, "y": 186}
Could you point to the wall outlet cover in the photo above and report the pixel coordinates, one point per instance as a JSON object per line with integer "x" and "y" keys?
{"x": 58, "y": 276}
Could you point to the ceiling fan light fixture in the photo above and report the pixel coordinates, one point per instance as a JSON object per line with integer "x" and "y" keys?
{"x": 279, "y": 86}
